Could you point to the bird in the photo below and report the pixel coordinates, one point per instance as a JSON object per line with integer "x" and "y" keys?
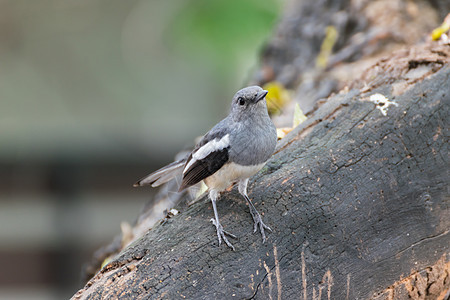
{"x": 230, "y": 153}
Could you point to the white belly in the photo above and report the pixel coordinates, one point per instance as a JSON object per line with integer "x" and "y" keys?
{"x": 229, "y": 174}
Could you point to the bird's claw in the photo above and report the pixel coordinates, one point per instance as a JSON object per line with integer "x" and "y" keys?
{"x": 221, "y": 234}
{"x": 257, "y": 222}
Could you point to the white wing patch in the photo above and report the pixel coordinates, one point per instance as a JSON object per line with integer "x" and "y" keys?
{"x": 207, "y": 149}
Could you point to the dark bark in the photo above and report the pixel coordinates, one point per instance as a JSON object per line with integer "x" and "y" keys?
{"x": 358, "y": 203}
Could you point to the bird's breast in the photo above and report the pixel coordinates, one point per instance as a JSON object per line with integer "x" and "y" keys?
{"x": 229, "y": 174}
{"x": 253, "y": 145}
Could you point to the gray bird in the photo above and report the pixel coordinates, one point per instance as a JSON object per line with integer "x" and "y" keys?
{"x": 231, "y": 152}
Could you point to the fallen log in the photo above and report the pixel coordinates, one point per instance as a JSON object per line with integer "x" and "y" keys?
{"x": 357, "y": 197}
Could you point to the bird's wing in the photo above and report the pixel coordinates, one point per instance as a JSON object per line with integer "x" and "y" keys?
{"x": 210, "y": 154}
{"x": 162, "y": 175}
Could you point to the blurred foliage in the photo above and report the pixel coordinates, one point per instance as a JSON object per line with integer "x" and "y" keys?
{"x": 223, "y": 31}
{"x": 94, "y": 79}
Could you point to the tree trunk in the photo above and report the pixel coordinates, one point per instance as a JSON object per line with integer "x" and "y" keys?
{"x": 357, "y": 197}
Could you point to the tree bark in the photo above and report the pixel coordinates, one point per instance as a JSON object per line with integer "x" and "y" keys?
{"x": 358, "y": 202}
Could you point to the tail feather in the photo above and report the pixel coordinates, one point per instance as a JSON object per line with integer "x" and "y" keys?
{"x": 162, "y": 175}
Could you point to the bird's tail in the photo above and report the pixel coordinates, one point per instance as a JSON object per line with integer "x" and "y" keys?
{"x": 163, "y": 175}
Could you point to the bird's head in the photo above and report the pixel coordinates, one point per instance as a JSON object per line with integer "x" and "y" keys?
{"x": 248, "y": 102}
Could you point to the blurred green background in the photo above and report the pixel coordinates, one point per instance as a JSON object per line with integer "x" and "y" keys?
{"x": 95, "y": 94}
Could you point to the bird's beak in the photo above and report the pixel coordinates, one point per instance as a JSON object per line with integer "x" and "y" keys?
{"x": 261, "y": 95}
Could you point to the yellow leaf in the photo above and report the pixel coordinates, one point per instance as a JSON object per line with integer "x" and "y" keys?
{"x": 331, "y": 35}
{"x": 201, "y": 189}
{"x": 281, "y": 132}
{"x": 299, "y": 117}
{"x": 438, "y": 32}
{"x": 106, "y": 261}
{"x": 277, "y": 97}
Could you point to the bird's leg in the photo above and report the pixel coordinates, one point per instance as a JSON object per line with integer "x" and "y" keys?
{"x": 220, "y": 232}
{"x": 258, "y": 223}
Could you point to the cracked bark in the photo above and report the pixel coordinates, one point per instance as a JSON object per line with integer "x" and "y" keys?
{"x": 357, "y": 201}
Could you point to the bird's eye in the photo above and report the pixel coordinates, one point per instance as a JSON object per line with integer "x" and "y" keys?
{"x": 241, "y": 101}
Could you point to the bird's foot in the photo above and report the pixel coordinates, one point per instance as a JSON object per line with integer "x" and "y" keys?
{"x": 221, "y": 234}
{"x": 258, "y": 223}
